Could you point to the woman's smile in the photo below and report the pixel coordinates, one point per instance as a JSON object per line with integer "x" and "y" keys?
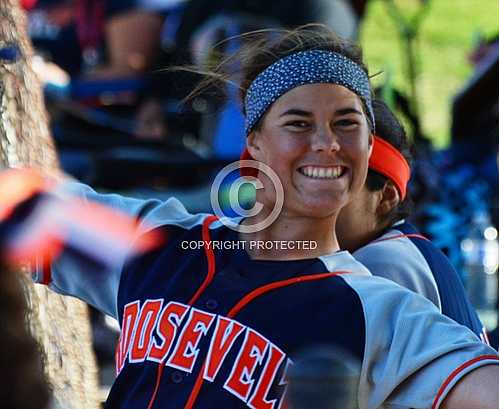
{"x": 322, "y": 172}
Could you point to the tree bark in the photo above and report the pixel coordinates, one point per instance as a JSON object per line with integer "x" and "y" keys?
{"x": 61, "y": 324}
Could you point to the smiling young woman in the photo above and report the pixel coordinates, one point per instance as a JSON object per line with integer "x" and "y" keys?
{"x": 317, "y": 139}
{"x": 218, "y": 328}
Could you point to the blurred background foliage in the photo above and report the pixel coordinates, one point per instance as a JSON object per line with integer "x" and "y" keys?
{"x": 448, "y": 32}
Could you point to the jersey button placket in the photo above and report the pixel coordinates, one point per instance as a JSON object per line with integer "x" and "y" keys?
{"x": 211, "y": 304}
{"x": 177, "y": 377}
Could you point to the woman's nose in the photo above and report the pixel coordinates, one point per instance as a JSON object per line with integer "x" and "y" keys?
{"x": 325, "y": 140}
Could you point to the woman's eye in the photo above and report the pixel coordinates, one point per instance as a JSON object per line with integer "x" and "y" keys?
{"x": 297, "y": 124}
{"x": 346, "y": 123}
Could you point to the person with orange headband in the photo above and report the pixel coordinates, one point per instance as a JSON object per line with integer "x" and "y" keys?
{"x": 373, "y": 227}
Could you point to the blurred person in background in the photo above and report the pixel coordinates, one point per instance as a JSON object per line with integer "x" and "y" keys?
{"x": 98, "y": 38}
{"x": 94, "y": 59}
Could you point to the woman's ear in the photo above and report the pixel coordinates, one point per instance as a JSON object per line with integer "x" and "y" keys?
{"x": 390, "y": 198}
{"x": 371, "y": 143}
{"x": 253, "y": 144}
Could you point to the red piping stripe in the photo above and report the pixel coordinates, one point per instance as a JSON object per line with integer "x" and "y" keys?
{"x": 210, "y": 255}
{"x": 243, "y": 302}
{"x": 456, "y": 372}
{"x": 275, "y": 285}
{"x": 195, "y": 389}
{"x": 398, "y": 236}
{"x": 159, "y": 375}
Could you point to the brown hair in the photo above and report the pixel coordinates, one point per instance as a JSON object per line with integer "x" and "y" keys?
{"x": 264, "y": 47}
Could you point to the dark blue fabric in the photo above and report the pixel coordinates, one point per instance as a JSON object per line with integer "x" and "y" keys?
{"x": 292, "y": 318}
{"x": 455, "y": 303}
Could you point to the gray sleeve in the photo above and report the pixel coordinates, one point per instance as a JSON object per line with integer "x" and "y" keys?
{"x": 413, "y": 354}
{"x": 97, "y": 285}
{"x": 400, "y": 261}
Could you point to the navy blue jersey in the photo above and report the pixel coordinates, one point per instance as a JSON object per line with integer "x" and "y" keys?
{"x": 205, "y": 326}
{"x": 403, "y": 255}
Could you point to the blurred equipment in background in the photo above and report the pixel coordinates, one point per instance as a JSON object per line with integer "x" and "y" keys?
{"x": 481, "y": 257}
{"x": 323, "y": 378}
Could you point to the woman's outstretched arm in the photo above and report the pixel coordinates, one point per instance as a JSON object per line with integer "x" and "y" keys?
{"x": 477, "y": 390}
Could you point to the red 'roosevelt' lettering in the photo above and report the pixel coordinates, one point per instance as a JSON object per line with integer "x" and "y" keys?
{"x": 186, "y": 351}
{"x": 223, "y": 337}
{"x": 147, "y": 320}
{"x": 252, "y": 352}
{"x": 258, "y": 400}
{"x": 169, "y": 322}
{"x": 130, "y": 312}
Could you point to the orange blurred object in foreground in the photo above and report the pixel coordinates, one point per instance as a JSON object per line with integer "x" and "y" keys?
{"x": 52, "y": 224}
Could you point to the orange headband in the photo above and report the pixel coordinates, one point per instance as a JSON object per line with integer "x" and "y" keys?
{"x": 388, "y": 161}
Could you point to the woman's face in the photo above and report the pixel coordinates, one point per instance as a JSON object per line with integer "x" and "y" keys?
{"x": 317, "y": 139}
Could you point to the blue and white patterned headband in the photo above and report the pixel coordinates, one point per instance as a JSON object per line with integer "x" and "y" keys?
{"x": 305, "y": 67}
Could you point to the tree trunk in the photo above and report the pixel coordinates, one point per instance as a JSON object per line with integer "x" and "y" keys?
{"x": 60, "y": 323}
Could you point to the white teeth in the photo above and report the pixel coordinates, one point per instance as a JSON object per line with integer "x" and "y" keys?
{"x": 332, "y": 172}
